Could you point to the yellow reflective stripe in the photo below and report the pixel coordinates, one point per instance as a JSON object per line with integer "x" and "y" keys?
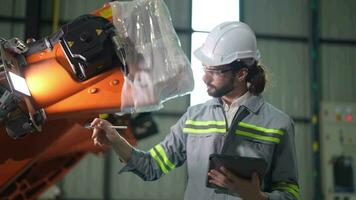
{"x": 281, "y": 184}
{"x": 294, "y": 187}
{"x": 256, "y": 136}
{"x": 164, "y": 156}
{"x": 204, "y": 123}
{"x": 209, "y": 130}
{"x": 291, "y": 188}
{"x": 159, "y": 162}
{"x": 258, "y": 128}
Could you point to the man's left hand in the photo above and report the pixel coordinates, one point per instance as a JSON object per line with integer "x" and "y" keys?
{"x": 248, "y": 189}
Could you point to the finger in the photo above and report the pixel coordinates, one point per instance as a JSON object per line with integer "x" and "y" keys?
{"x": 101, "y": 124}
{"x": 219, "y": 177}
{"x": 216, "y": 173}
{"x": 96, "y": 133}
{"x": 97, "y": 142}
{"x": 95, "y": 122}
{"x": 99, "y": 137}
{"x": 255, "y": 178}
{"x": 216, "y": 180}
{"x": 228, "y": 174}
{"x": 103, "y": 139}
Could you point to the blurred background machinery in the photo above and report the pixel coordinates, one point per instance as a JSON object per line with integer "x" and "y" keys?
{"x": 338, "y": 150}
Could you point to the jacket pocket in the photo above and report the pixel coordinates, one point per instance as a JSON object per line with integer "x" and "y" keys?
{"x": 252, "y": 147}
{"x": 200, "y": 135}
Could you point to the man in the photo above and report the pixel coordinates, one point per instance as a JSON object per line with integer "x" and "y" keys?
{"x": 234, "y": 79}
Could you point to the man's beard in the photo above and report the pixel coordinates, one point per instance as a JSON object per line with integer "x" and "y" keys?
{"x": 222, "y": 90}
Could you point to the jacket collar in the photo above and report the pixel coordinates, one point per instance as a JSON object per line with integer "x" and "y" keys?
{"x": 253, "y": 103}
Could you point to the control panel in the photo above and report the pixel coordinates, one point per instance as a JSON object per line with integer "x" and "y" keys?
{"x": 338, "y": 150}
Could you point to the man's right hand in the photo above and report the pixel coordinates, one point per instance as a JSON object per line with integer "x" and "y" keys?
{"x": 103, "y": 134}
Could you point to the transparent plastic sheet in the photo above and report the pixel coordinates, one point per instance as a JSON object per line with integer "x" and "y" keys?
{"x": 158, "y": 69}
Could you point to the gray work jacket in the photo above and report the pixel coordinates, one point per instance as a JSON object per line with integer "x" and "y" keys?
{"x": 265, "y": 132}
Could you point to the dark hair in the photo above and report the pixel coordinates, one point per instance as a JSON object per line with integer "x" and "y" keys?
{"x": 256, "y": 76}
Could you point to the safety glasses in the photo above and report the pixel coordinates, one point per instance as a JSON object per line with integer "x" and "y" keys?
{"x": 217, "y": 71}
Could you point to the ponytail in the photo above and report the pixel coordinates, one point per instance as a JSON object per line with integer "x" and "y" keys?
{"x": 256, "y": 78}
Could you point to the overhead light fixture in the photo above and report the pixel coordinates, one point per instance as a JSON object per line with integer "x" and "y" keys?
{"x": 19, "y": 83}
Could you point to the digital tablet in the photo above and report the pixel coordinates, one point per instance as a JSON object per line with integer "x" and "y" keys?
{"x": 240, "y": 166}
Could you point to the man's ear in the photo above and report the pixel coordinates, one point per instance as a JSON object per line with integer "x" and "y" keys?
{"x": 242, "y": 74}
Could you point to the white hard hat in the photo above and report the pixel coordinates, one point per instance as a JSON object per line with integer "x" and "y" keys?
{"x": 228, "y": 42}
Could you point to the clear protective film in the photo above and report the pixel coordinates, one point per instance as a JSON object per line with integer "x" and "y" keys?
{"x": 157, "y": 68}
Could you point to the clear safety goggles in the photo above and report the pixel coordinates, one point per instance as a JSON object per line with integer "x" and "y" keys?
{"x": 217, "y": 71}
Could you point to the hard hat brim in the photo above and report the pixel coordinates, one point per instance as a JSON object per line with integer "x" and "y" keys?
{"x": 204, "y": 59}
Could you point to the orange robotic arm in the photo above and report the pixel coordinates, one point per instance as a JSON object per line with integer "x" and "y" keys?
{"x": 88, "y": 67}
{"x": 72, "y": 77}
{"x": 76, "y": 69}
{"x": 75, "y": 72}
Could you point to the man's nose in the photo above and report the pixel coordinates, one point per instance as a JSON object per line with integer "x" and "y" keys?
{"x": 206, "y": 78}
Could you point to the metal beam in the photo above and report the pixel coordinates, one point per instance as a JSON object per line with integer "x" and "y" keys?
{"x": 33, "y": 18}
{"x": 282, "y": 38}
{"x": 12, "y": 19}
{"x": 344, "y": 42}
{"x": 315, "y": 91}
{"x": 107, "y": 175}
{"x": 242, "y": 11}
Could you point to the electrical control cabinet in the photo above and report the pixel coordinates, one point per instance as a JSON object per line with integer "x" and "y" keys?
{"x": 338, "y": 150}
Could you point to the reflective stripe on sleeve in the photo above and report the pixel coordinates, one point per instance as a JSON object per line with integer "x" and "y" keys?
{"x": 287, "y": 187}
{"x": 164, "y": 156}
{"x": 161, "y": 158}
{"x": 159, "y": 161}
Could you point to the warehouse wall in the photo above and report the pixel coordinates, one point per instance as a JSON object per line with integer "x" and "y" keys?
{"x": 281, "y": 27}
{"x": 10, "y": 25}
{"x": 283, "y": 31}
{"x": 338, "y": 50}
